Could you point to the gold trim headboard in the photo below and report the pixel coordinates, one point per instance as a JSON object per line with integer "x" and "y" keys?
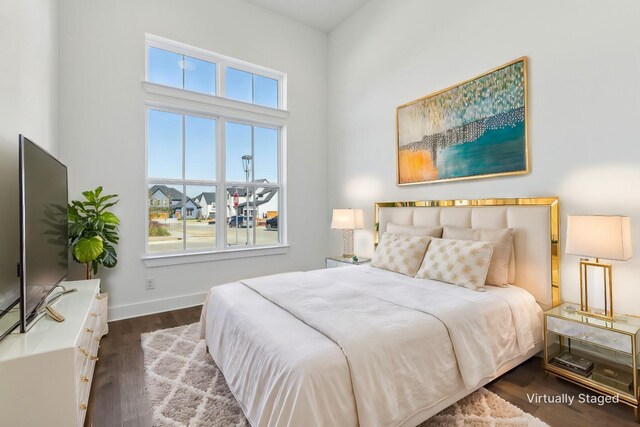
{"x": 552, "y": 203}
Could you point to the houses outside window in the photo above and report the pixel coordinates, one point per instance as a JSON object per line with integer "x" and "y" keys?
{"x": 215, "y": 131}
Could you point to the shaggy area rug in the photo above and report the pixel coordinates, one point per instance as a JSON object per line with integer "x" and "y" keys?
{"x": 186, "y": 388}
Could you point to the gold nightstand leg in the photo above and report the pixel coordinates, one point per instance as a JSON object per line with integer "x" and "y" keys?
{"x": 636, "y": 412}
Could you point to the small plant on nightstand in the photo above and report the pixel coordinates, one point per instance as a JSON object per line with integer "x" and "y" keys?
{"x": 93, "y": 231}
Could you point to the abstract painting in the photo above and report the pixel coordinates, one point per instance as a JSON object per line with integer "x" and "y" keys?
{"x": 474, "y": 129}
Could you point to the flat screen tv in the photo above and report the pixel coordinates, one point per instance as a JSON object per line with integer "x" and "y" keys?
{"x": 44, "y": 226}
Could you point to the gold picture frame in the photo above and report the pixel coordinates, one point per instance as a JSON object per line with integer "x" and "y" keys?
{"x": 415, "y": 159}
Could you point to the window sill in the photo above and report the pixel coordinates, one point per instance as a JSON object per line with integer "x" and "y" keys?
{"x": 214, "y": 104}
{"x": 190, "y": 258}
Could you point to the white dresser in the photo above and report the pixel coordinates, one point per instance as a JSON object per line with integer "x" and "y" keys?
{"x": 45, "y": 374}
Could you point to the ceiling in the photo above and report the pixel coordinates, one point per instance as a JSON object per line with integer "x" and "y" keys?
{"x": 323, "y": 15}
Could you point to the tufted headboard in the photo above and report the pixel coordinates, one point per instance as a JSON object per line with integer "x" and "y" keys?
{"x": 535, "y": 222}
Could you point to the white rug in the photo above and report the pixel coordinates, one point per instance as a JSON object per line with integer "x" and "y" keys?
{"x": 483, "y": 409}
{"x": 184, "y": 386}
{"x": 186, "y": 389}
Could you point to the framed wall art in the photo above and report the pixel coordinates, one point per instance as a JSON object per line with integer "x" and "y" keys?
{"x": 475, "y": 129}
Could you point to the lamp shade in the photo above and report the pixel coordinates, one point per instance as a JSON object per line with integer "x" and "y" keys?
{"x": 599, "y": 236}
{"x": 347, "y": 219}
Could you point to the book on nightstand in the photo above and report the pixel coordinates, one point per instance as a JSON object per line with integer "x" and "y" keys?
{"x": 574, "y": 363}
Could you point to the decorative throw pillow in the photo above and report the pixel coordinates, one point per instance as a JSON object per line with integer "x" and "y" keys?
{"x": 459, "y": 233}
{"x": 502, "y": 267}
{"x": 498, "y": 274}
{"x": 460, "y": 262}
{"x": 413, "y": 230}
{"x": 400, "y": 253}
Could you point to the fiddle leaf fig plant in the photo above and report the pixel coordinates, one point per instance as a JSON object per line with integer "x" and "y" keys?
{"x": 93, "y": 231}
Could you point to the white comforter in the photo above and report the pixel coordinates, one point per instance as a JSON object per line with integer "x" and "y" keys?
{"x": 358, "y": 345}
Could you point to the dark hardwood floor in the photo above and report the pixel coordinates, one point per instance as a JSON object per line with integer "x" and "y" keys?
{"x": 117, "y": 393}
{"x": 529, "y": 379}
{"x": 118, "y": 397}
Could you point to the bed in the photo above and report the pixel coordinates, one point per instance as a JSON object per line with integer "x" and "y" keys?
{"x": 361, "y": 346}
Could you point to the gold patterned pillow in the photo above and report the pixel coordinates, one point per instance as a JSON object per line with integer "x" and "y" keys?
{"x": 461, "y": 262}
{"x": 500, "y": 271}
{"x": 400, "y": 253}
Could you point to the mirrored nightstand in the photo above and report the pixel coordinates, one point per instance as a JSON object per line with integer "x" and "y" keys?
{"x": 333, "y": 262}
{"x": 602, "y": 356}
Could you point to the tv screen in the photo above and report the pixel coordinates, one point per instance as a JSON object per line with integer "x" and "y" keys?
{"x": 43, "y": 227}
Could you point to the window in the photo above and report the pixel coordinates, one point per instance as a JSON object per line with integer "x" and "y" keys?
{"x": 184, "y": 67}
{"x": 248, "y": 87}
{"x": 214, "y": 178}
{"x": 252, "y": 154}
{"x": 181, "y": 168}
{"x": 181, "y": 71}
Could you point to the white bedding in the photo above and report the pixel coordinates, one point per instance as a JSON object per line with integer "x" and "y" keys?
{"x": 358, "y": 345}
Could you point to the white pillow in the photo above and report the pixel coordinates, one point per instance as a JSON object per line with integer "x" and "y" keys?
{"x": 460, "y": 262}
{"x": 512, "y": 264}
{"x": 459, "y": 233}
{"x": 413, "y": 230}
{"x": 400, "y": 253}
{"x": 498, "y": 274}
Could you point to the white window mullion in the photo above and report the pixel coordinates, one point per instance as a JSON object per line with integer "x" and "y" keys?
{"x": 222, "y": 78}
{"x": 253, "y": 88}
{"x": 184, "y": 186}
{"x": 221, "y": 195}
{"x": 146, "y": 60}
{"x": 282, "y": 93}
{"x": 253, "y": 178}
{"x": 146, "y": 174}
{"x": 282, "y": 181}
{"x": 183, "y": 67}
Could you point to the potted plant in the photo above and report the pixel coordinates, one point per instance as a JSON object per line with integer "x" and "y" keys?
{"x": 93, "y": 231}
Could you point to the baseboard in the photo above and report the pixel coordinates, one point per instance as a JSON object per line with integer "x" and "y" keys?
{"x": 128, "y": 311}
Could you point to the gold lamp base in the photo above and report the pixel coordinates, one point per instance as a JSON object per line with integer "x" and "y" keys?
{"x": 595, "y": 315}
{"x": 584, "y": 291}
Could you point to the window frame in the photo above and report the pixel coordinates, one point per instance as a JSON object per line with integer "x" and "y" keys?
{"x": 221, "y": 62}
{"x": 186, "y": 102}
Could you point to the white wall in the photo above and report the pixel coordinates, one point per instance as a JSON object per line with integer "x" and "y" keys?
{"x": 102, "y": 131}
{"x": 28, "y": 105}
{"x": 584, "y": 105}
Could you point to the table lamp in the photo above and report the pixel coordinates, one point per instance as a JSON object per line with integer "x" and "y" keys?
{"x": 347, "y": 220}
{"x": 598, "y": 236}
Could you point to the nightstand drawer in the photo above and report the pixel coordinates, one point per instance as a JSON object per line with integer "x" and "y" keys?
{"x": 583, "y": 331}
{"x": 330, "y": 263}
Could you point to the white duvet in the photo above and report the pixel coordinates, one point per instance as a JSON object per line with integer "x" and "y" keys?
{"x": 358, "y": 345}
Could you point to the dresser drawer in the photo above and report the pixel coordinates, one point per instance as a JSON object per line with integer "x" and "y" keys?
{"x": 87, "y": 353}
{"x": 85, "y": 378}
{"x": 83, "y": 402}
{"x": 596, "y": 335}
{"x": 88, "y": 330}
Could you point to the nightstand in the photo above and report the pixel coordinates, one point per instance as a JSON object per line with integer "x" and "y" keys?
{"x": 339, "y": 261}
{"x": 602, "y": 356}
